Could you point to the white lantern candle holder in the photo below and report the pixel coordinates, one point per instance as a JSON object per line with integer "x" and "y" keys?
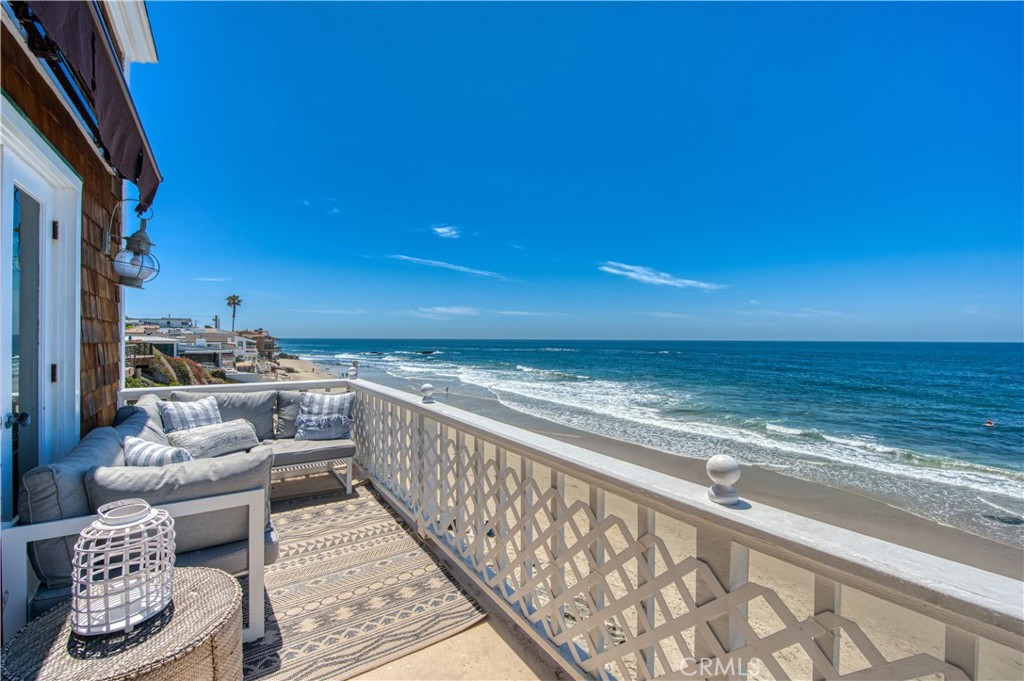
{"x": 123, "y": 568}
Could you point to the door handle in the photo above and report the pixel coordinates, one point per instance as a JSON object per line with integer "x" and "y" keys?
{"x": 24, "y": 419}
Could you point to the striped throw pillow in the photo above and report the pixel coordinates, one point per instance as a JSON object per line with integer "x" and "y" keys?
{"x": 185, "y": 415}
{"x": 326, "y": 404}
{"x": 139, "y": 452}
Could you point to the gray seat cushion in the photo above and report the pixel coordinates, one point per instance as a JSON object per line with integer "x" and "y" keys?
{"x": 141, "y": 420}
{"x": 190, "y": 480}
{"x": 58, "y": 491}
{"x": 293, "y": 452}
{"x": 257, "y": 408}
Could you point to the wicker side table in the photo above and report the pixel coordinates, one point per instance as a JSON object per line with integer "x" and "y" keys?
{"x": 198, "y": 636}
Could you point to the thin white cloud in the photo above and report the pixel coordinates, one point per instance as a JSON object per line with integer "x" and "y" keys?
{"x": 446, "y": 231}
{"x": 334, "y": 211}
{"x": 801, "y": 313}
{"x": 978, "y": 311}
{"x": 459, "y": 310}
{"x": 211, "y": 279}
{"x": 445, "y": 312}
{"x": 306, "y": 202}
{"x": 527, "y": 313}
{"x": 516, "y": 246}
{"x": 668, "y": 315}
{"x": 647, "y": 275}
{"x": 327, "y": 310}
{"x": 448, "y": 266}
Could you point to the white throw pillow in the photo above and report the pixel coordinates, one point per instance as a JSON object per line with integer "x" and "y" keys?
{"x": 185, "y": 415}
{"x": 139, "y": 452}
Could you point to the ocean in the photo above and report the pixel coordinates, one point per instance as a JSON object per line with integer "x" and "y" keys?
{"x": 900, "y": 422}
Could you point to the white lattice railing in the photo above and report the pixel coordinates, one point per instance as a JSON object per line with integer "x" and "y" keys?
{"x": 622, "y": 572}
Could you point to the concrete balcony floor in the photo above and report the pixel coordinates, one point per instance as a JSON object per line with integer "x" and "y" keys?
{"x": 492, "y": 650}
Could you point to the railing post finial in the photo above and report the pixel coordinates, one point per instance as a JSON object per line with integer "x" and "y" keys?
{"x": 724, "y": 471}
{"x": 353, "y": 371}
{"x": 428, "y": 393}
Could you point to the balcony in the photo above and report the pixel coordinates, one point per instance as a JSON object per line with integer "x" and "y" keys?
{"x": 599, "y": 568}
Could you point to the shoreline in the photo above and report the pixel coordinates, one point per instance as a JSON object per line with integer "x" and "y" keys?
{"x": 831, "y": 505}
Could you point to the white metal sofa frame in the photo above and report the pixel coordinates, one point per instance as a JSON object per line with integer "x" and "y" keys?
{"x": 15, "y": 541}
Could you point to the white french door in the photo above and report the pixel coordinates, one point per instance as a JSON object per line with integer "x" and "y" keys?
{"x": 40, "y": 291}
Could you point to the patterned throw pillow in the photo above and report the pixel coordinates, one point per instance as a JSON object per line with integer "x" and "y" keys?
{"x": 185, "y": 415}
{"x": 334, "y": 427}
{"x": 139, "y": 452}
{"x": 215, "y": 439}
{"x": 323, "y": 416}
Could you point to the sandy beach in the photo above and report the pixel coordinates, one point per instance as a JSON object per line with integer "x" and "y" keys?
{"x": 301, "y": 370}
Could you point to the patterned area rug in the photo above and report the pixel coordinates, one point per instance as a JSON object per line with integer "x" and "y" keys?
{"x": 352, "y": 590}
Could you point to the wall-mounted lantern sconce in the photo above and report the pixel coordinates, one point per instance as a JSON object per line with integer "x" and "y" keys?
{"x": 133, "y": 264}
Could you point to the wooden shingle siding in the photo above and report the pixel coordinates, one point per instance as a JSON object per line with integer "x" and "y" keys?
{"x": 101, "y": 192}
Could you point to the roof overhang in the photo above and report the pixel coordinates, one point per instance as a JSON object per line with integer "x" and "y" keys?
{"x": 129, "y": 20}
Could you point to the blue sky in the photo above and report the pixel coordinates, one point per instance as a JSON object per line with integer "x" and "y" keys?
{"x": 693, "y": 171}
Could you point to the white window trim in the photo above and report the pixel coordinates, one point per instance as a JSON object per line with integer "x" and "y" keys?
{"x": 61, "y": 274}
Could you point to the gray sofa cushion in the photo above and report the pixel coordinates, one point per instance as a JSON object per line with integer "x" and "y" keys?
{"x": 293, "y": 452}
{"x": 190, "y": 480}
{"x": 257, "y": 408}
{"x": 141, "y": 420}
{"x": 57, "y": 491}
{"x": 214, "y": 440}
{"x": 232, "y": 558}
{"x": 287, "y": 412}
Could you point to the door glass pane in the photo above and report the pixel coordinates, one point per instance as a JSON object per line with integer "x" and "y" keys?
{"x": 24, "y": 331}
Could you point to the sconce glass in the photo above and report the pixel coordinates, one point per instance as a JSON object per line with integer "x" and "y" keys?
{"x": 134, "y": 264}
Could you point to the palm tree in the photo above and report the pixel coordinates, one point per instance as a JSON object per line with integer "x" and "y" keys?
{"x": 233, "y": 302}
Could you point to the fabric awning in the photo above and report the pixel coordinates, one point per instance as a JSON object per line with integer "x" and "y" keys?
{"x": 77, "y": 30}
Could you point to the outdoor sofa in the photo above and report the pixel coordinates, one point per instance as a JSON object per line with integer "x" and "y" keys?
{"x": 95, "y": 473}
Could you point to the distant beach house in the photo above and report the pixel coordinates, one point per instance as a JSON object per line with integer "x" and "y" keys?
{"x": 162, "y": 322}
{"x": 71, "y": 137}
{"x": 266, "y": 345}
{"x": 212, "y": 348}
